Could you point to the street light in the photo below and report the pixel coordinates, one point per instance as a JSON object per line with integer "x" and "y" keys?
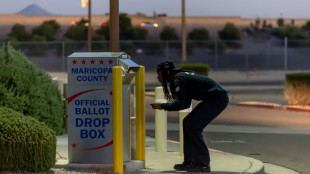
{"x": 83, "y": 5}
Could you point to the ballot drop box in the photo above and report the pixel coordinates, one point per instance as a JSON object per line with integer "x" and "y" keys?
{"x": 90, "y": 131}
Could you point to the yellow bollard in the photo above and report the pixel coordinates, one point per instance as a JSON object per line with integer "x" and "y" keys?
{"x": 140, "y": 115}
{"x": 117, "y": 109}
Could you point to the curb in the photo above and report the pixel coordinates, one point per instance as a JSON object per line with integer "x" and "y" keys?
{"x": 257, "y": 167}
{"x": 128, "y": 166}
{"x": 298, "y": 108}
{"x": 150, "y": 94}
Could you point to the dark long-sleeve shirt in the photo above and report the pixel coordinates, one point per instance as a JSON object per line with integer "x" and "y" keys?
{"x": 190, "y": 86}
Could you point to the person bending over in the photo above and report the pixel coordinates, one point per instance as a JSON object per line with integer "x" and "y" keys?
{"x": 180, "y": 87}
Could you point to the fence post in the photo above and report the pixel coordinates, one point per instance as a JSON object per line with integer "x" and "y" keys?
{"x": 285, "y": 53}
{"x": 117, "y": 109}
{"x": 268, "y": 54}
{"x": 160, "y": 122}
{"x": 182, "y": 114}
{"x": 167, "y": 48}
{"x": 216, "y": 53}
{"x": 63, "y": 56}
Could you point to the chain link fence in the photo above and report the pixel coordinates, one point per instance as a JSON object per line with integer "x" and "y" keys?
{"x": 248, "y": 54}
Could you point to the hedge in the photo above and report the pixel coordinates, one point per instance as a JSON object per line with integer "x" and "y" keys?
{"x": 26, "y": 145}
{"x": 297, "y": 88}
{"x": 197, "y": 68}
{"x": 27, "y": 89}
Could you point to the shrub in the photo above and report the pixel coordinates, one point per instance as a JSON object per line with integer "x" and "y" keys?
{"x": 28, "y": 90}
{"x": 280, "y": 22}
{"x": 154, "y": 48}
{"x": 198, "y": 34}
{"x": 230, "y": 32}
{"x": 168, "y": 33}
{"x": 139, "y": 33}
{"x": 18, "y": 33}
{"x": 297, "y": 88}
{"x": 98, "y": 43}
{"x": 218, "y": 47}
{"x": 25, "y": 143}
{"x": 39, "y": 46}
{"x": 202, "y": 69}
{"x": 47, "y": 30}
{"x": 126, "y": 30}
{"x": 77, "y": 32}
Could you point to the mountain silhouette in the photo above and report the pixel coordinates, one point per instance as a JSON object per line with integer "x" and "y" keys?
{"x": 34, "y": 10}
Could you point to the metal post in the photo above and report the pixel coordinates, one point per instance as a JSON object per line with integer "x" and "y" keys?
{"x": 216, "y": 53}
{"x": 167, "y": 49}
{"x": 140, "y": 117}
{"x": 246, "y": 59}
{"x": 160, "y": 122}
{"x": 63, "y": 56}
{"x": 285, "y": 53}
{"x": 117, "y": 110}
{"x": 114, "y": 29}
{"x": 268, "y": 54}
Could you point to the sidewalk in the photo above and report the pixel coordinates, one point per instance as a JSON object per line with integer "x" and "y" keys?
{"x": 161, "y": 162}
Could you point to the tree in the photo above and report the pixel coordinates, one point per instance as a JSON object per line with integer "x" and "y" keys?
{"x": 257, "y": 22}
{"x": 293, "y": 32}
{"x": 162, "y": 15}
{"x": 55, "y": 25}
{"x": 125, "y": 27}
{"x": 139, "y": 33}
{"x": 104, "y": 30}
{"x": 198, "y": 34}
{"x": 280, "y": 22}
{"x": 168, "y": 33}
{"x": 47, "y": 29}
{"x": 77, "y": 32}
{"x": 18, "y": 33}
{"x": 126, "y": 30}
{"x": 230, "y": 32}
{"x": 37, "y": 47}
{"x": 97, "y": 45}
{"x": 292, "y": 22}
{"x": 306, "y": 27}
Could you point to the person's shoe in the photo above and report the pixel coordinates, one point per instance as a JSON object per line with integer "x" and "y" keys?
{"x": 199, "y": 168}
{"x": 184, "y": 166}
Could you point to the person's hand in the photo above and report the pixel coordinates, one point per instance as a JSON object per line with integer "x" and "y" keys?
{"x": 156, "y": 106}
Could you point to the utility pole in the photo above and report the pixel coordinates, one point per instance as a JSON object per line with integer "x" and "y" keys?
{"x": 114, "y": 29}
{"x": 89, "y": 26}
{"x": 83, "y": 5}
{"x": 183, "y": 33}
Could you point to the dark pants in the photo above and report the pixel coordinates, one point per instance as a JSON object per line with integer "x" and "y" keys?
{"x": 195, "y": 149}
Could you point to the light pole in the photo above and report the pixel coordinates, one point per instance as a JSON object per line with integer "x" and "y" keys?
{"x": 114, "y": 29}
{"x": 183, "y": 33}
{"x": 83, "y": 5}
{"x": 89, "y": 26}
